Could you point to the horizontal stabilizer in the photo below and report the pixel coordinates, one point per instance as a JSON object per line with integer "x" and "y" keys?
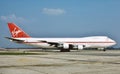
{"x": 15, "y": 40}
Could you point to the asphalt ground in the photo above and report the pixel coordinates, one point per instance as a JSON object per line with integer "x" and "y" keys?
{"x": 55, "y": 62}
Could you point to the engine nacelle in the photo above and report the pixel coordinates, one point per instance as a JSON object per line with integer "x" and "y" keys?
{"x": 65, "y": 46}
{"x": 80, "y": 47}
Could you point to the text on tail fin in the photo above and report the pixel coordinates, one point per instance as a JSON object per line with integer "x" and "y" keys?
{"x": 16, "y": 32}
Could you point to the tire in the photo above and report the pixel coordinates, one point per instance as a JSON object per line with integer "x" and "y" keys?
{"x": 65, "y": 50}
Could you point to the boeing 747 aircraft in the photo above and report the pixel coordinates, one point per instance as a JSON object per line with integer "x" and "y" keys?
{"x": 64, "y": 44}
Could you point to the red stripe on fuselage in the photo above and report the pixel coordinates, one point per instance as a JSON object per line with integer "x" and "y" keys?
{"x": 72, "y": 42}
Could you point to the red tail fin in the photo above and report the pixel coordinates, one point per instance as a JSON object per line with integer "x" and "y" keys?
{"x": 16, "y": 32}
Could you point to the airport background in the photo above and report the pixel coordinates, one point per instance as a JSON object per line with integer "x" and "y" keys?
{"x": 59, "y": 18}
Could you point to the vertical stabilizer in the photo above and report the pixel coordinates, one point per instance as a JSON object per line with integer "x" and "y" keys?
{"x": 16, "y": 32}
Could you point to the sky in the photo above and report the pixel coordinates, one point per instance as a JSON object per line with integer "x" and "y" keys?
{"x": 60, "y": 18}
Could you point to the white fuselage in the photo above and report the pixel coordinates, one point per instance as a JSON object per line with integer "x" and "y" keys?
{"x": 88, "y": 42}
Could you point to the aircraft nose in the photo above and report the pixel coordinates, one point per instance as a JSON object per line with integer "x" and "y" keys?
{"x": 114, "y": 42}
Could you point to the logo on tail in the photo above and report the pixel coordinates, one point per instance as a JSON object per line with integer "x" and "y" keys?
{"x": 16, "y": 32}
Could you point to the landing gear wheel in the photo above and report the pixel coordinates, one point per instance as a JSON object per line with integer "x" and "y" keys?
{"x": 104, "y": 49}
{"x": 65, "y": 50}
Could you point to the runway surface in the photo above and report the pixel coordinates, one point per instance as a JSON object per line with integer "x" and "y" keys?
{"x": 76, "y": 62}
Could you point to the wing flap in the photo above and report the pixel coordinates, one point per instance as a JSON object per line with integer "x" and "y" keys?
{"x": 51, "y": 43}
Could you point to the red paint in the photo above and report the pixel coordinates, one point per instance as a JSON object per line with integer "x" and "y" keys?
{"x": 16, "y": 32}
{"x": 72, "y": 42}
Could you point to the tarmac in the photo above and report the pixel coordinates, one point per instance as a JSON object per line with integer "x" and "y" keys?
{"x": 54, "y": 62}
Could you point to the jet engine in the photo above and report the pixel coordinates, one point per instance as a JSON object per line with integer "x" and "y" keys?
{"x": 80, "y": 47}
{"x": 65, "y": 46}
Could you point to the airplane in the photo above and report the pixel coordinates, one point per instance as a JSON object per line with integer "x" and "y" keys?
{"x": 64, "y": 44}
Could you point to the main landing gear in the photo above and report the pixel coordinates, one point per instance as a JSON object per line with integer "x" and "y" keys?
{"x": 65, "y": 50}
{"x": 104, "y": 49}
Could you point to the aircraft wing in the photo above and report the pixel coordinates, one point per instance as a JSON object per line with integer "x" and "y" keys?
{"x": 52, "y": 43}
{"x": 15, "y": 40}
